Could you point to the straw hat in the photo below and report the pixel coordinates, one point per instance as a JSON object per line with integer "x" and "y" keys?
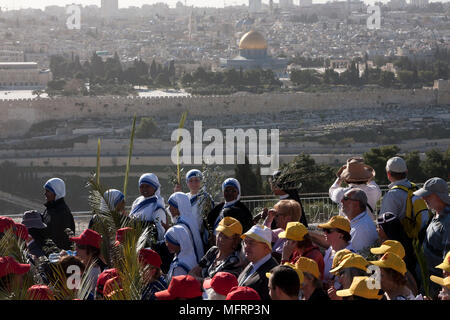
{"x": 355, "y": 170}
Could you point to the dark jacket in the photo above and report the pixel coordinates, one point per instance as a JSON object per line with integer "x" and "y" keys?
{"x": 319, "y": 295}
{"x": 58, "y": 218}
{"x": 258, "y": 280}
{"x": 238, "y": 211}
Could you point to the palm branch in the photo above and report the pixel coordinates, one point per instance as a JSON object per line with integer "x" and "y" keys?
{"x": 180, "y": 126}
{"x": 15, "y": 247}
{"x": 418, "y": 251}
{"x": 130, "y": 152}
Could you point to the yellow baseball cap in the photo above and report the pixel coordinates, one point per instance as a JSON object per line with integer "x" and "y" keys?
{"x": 445, "y": 282}
{"x": 338, "y": 256}
{"x": 390, "y": 246}
{"x": 309, "y": 266}
{"x": 337, "y": 222}
{"x": 351, "y": 260}
{"x": 301, "y": 276}
{"x": 392, "y": 261}
{"x": 229, "y": 226}
{"x": 290, "y": 265}
{"x": 445, "y": 265}
{"x": 359, "y": 288}
{"x": 294, "y": 231}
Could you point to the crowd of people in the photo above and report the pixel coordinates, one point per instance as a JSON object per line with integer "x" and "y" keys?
{"x": 225, "y": 253}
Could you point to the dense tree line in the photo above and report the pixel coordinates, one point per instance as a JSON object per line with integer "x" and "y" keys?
{"x": 107, "y": 76}
{"x": 229, "y": 81}
{"x": 412, "y": 73}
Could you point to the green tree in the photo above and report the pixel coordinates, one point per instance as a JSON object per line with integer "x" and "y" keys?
{"x": 187, "y": 80}
{"x": 248, "y": 179}
{"x": 304, "y": 172}
{"x": 377, "y": 158}
{"x": 97, "y": 66}
{"x": 387, "y": 79}
{"x": 435, "y": 165}
{"x": 330, "y": 76}
{"x": 413, "y": 163}
{"x": 406, "y": 77}
{"x": 305, "y": 77}
{"x": 147, "y": 128}
{"x": 153, "y": 70}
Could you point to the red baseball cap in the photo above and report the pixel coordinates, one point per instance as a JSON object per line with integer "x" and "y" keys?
{"x": 88, "y": 238}
{"x": 6, "y": 223}
{"x": 222, "y": 282}
{"x": 104, "y": 277}
{"x": 40, "y": 292}
{"x": 112, "y": 286}
{"x": 10, "y": 266}
{"x": 243, "y": 293}
{"x": 120, "y": 235}
{"x": 149, "y": 256}
{"x": 184, "y": 286}
{"x": 21, "y": 231}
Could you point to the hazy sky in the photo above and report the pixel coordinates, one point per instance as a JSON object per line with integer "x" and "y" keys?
{"x": 17, "y": 4}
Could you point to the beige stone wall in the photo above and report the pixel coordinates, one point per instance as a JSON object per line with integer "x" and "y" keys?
{"x": 25, "y": 112}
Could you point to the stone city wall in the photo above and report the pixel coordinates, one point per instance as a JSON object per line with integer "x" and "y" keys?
{"x": 16, "y": 116}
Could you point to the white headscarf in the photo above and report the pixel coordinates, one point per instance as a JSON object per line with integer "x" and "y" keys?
{"x": 57, "y": 186}
{"x": 181, "y": 201}
{"x": 233, "y": 183}
{"x": 147, "y": 209}
{"x": 193, "y": 173}
{"x": 179, "y": 235}
{"x": 113, "y": 197}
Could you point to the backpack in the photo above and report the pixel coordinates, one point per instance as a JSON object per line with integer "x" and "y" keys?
{"x": 416, "y": 212}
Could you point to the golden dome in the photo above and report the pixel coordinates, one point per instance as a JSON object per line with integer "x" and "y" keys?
{"x": 253, "y": 40}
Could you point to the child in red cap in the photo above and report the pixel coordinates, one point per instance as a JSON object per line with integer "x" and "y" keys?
{"x": 88, "y": 250}
{"x": 101, "y": 282}
{"x": 11, "y": 272}
{"x": 243, "y": 293}
{"x": 184, "y": 287}
{"x": 40, "y": 292}
{"x": 151, "y": 262}
{"x": 220, "y": 285}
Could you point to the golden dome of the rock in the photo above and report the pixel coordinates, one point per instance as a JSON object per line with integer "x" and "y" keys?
{"x": 253, "y": 40}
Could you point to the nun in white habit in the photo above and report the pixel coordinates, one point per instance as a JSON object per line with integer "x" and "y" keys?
{"x": 150, "y": 205}
{"x": 178, "y": 241}
{"x": 180, "y": 201}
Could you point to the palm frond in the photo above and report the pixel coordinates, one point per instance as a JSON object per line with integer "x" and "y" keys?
{"x": 180, "y": 126}
{"x": 130, "y": 152}
{"x": 15, "y": 247}
{"x": 98, "y": 161}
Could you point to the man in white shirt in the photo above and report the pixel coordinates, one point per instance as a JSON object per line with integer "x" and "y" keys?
{"x": 362, "y": 227}
{"x": 357, "y": 175}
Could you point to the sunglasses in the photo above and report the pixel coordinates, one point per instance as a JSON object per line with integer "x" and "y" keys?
{"x": 328, "y": 231}
{"x": 347, "y": 198}
{"x": 81, "y": 246}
